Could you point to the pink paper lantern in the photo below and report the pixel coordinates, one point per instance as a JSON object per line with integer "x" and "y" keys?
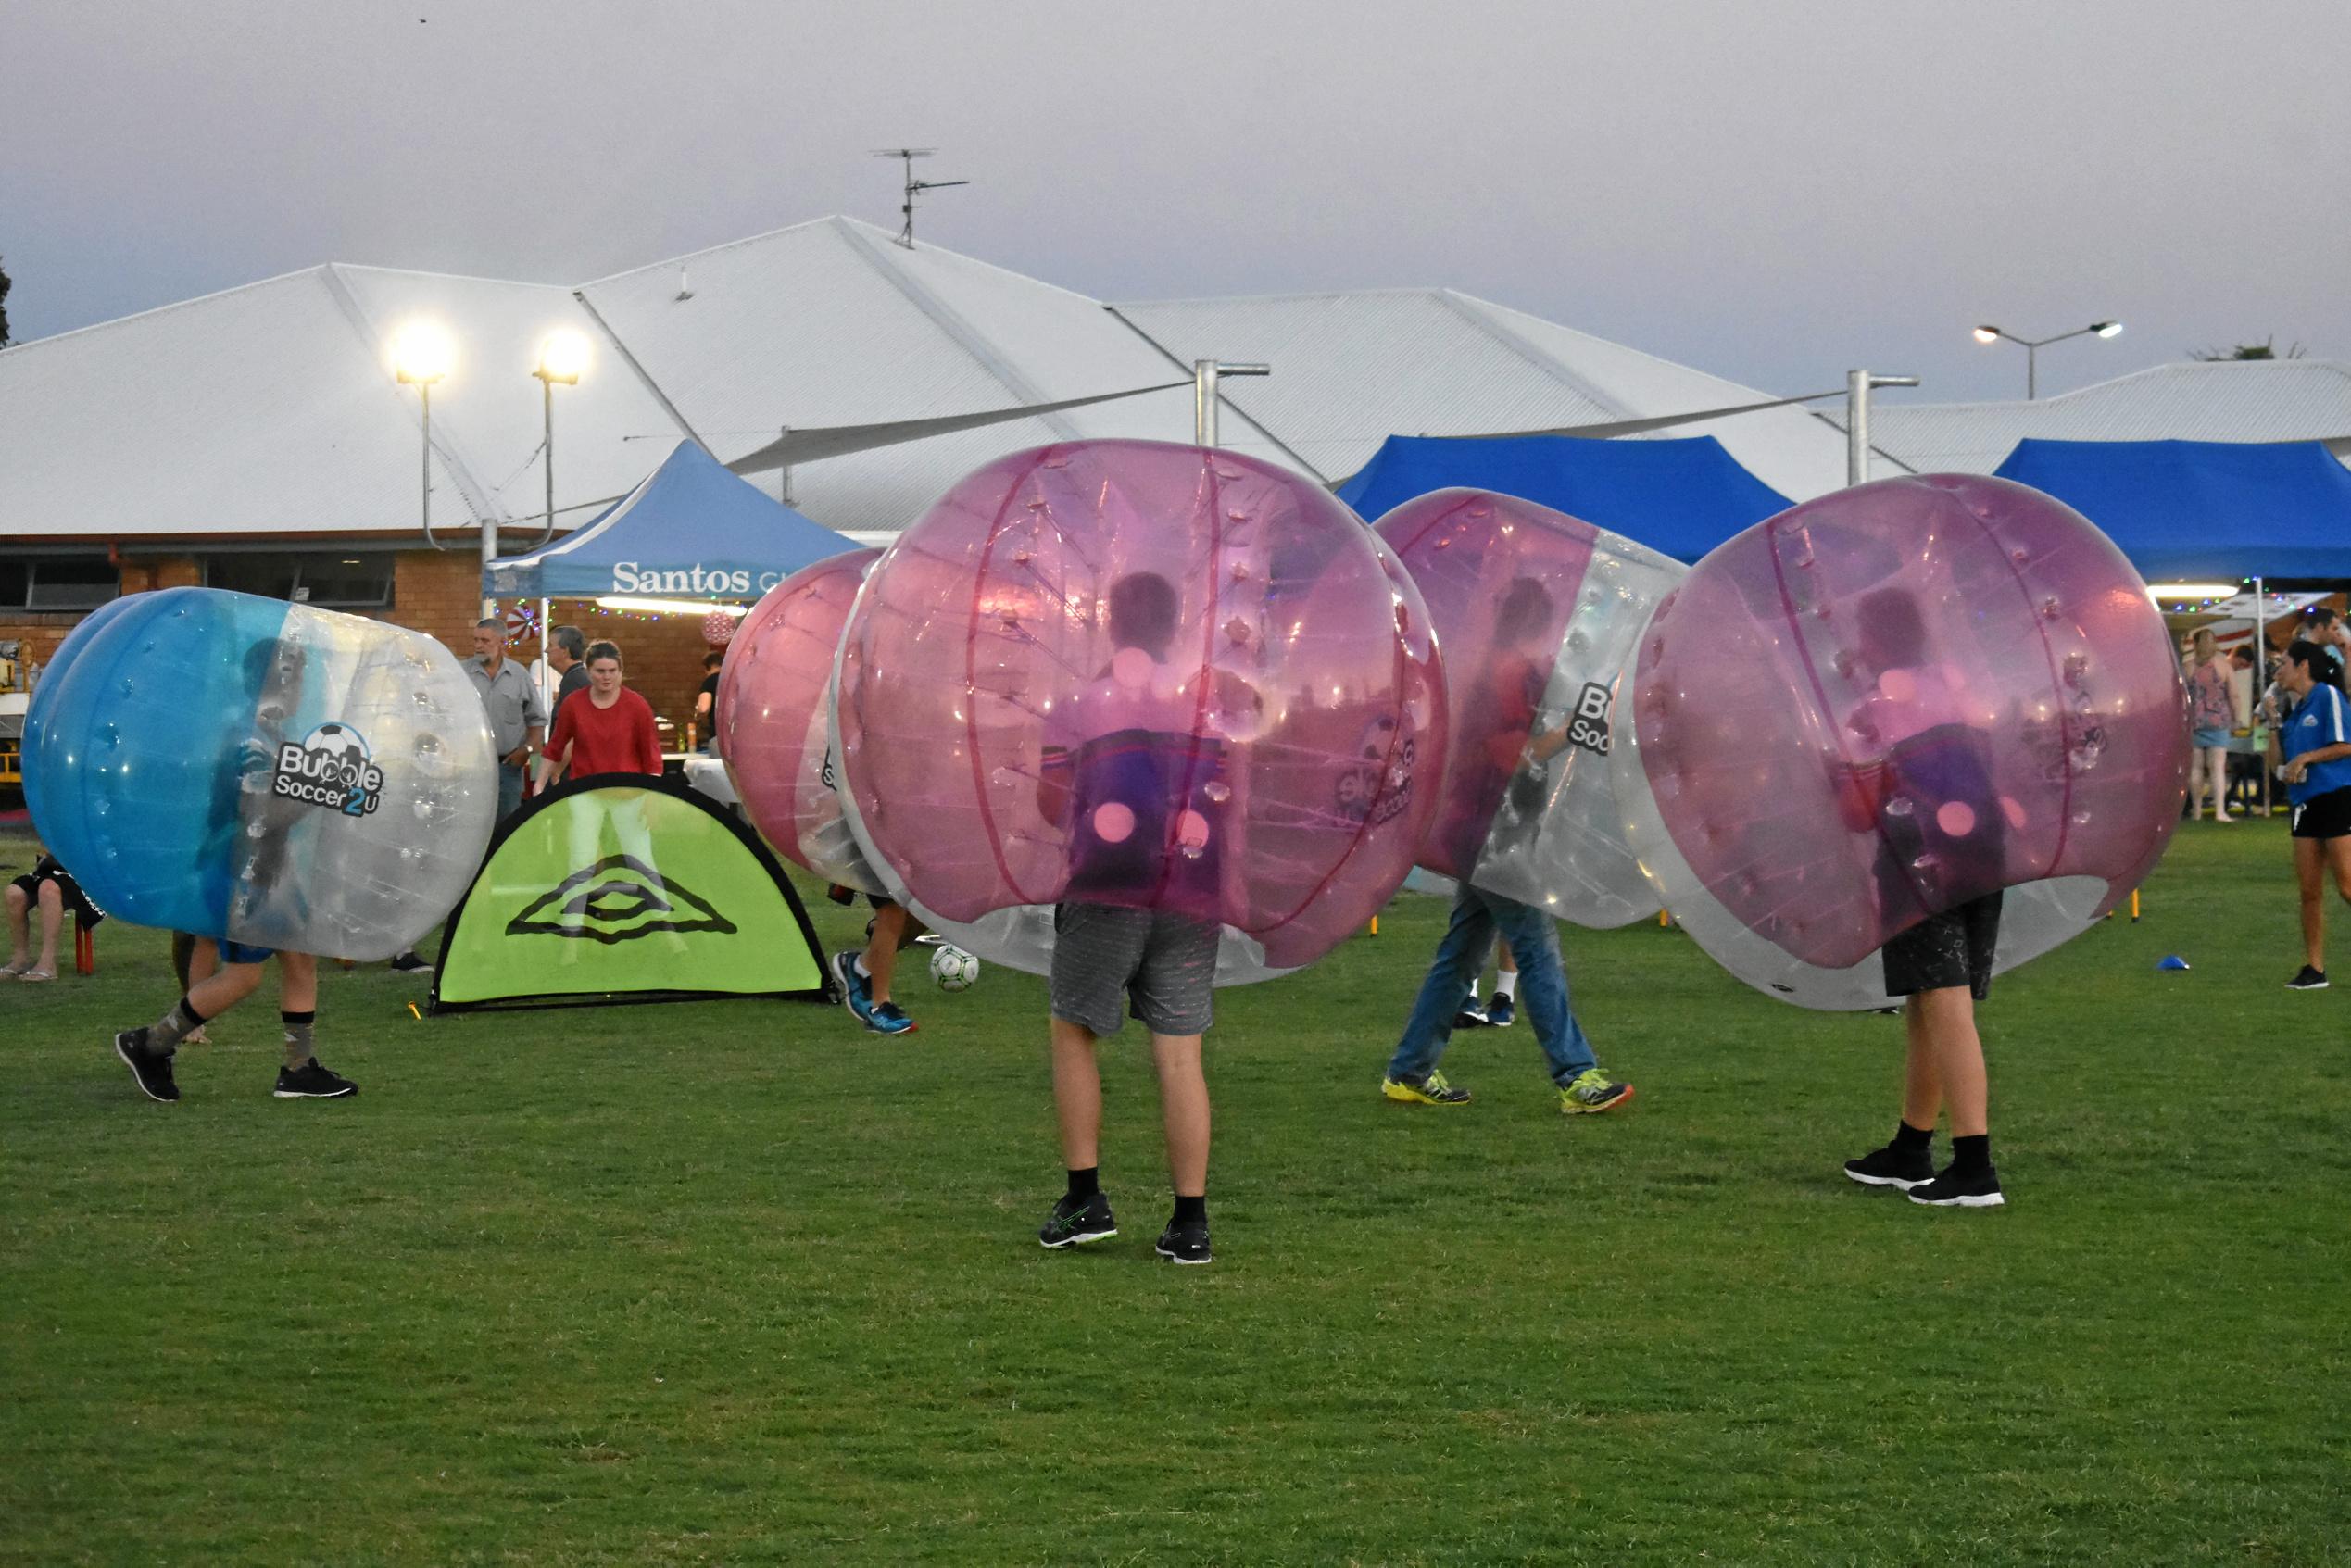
{"x": 773, "y": 713}
{"x": 1151, "y": 675}
{"x": 1885, "y": 702}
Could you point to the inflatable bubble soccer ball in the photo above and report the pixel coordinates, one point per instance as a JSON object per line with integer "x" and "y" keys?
{"x": 1537, "y": 613}
{"x": 1133, "y": 673}
{"x": 274, "y": 774}
{"x": 953, "y": 968}
{"x": 773, "y": 716}
{"x": 1886, "y": 702}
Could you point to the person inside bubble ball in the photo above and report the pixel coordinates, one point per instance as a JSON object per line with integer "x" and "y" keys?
{"x": 1141, "y": 797}
{"x": 1507, "y": 705}
{"x": 246, "y": 811}
{"x": 1920, "y": 779}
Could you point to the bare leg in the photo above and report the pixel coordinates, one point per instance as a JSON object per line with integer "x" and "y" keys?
{"x": 1948, "y": 1019}
{"x": 297, "y": 983}
{"x": 1508, "y": 962}
{"x": 1921, "y": 1083}
{"x": 1183, "y": 1107}
{"x": 892, "y": 929}
{"x": 2308, "y": 876}
{"x": 18, "y": 930}
{"x": 1078, "y": 1095}
{"x": 225, "y": 989}
{"x": 52, "y": 917}
{"x": 2218, "y": 757}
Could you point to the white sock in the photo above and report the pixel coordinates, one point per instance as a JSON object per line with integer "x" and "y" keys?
{"x": 1473, "y": 995}
{"x": 864, "y": 972}
{"x": 1506, "y": 984}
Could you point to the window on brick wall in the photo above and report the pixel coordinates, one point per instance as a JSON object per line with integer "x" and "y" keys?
{"x": 328, "y": 581}
{"x": 57, "y": 582}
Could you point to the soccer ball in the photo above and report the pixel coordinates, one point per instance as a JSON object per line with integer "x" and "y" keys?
{"x": 953, "y": 967}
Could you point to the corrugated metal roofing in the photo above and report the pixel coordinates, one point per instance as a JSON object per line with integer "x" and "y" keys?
{"x": 1353, "y": 369}
{"x": 2228, "y": 400}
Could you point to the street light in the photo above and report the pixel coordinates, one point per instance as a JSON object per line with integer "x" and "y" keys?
{"x": 421, "y": 356}
{"x": 562, "y": 358}
{"x": 2032, "y": 346}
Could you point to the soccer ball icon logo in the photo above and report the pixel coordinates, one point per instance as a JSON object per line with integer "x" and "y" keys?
{"x": 953, "y": 967}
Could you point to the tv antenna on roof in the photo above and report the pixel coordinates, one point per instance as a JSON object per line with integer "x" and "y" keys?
{"x": 914, "y": 186}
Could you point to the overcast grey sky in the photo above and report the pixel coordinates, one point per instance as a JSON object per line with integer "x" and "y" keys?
{"x": 1774, "y": 191}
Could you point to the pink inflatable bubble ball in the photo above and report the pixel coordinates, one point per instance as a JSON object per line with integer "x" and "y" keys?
{"x": 1537, "y": 613}
{"x": 1158, "y": 676}
{"x": 1888, "y": 701}
{"x": 775, "y": 717}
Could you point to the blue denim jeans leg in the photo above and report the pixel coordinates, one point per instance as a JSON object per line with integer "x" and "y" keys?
{"x": 509, "y": 790}
{"x": 1478, "y": 918}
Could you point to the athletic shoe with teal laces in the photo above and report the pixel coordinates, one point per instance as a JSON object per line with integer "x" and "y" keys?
{"x": 885, "y": 1018}
{"x": 1592, "y": 1092}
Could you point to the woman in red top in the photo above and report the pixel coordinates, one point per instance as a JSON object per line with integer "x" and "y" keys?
{"x": 608, "y": 729}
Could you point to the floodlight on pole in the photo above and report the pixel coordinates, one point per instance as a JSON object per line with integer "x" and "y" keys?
{"x": 562, "y": 358}
{"x": 421, "y": 356}
{"x": 2033, "y": 345}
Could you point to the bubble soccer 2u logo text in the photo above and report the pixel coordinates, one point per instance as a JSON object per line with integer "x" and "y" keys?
{"x": 329, "y": 767}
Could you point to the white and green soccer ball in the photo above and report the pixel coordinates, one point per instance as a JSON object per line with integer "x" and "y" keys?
{"x": 953, "y": 967}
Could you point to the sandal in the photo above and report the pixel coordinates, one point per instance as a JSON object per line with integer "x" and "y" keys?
{"x": 31, "y": 976}
{"x": 10, "y": 971}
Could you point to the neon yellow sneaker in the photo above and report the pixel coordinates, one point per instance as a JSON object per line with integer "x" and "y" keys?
{"x": 1431, "y": 1090}
{"x": 1591, "y": 1093}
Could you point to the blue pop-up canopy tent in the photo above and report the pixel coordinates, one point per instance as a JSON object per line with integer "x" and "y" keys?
{"x": 691, "y": 529}
{"x": 2202, "y": 509}
{"x": 1680, "y": 497}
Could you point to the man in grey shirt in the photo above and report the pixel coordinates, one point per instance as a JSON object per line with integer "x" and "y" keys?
{"x": 518, "y": 721}
{"x": 567, "y": 656}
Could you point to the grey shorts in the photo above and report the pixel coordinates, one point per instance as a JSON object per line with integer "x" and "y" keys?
{"x": 1164, "y": 963}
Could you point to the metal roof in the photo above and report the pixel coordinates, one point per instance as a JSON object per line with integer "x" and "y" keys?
{"x": 1353, "y": 369}
{"x": 2224, "y": 400}
{"x": 271, "y": 408}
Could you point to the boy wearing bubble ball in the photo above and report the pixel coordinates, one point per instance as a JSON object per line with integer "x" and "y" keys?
{"x": 148, "y": 1051}
{"x": 1108, "y": 781}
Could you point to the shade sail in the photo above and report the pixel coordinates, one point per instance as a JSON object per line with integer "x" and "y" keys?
{"x": 689, "y": 530}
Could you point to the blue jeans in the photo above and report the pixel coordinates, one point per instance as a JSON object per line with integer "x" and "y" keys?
{"x": 509, "y": 790}
{"x": 1478, "y": 917}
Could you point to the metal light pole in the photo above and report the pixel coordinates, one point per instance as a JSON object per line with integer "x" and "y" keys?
{"x": 562, "y": 358}
{"x": 2033, "y": 345}
{"x": 420, "y": 358}
{"x": 1858, "y": 384}
{"x": 1205, "y": 373}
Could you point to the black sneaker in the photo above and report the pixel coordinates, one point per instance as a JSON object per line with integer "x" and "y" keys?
{"x": 1470, "y": 1015}
{"x": 152, "y": 1068}
{"x": 312, "y": 1081}
{"x": 1185, "y": 1243}
{"x": 1502, "y": 1012}
{"x": 2309, "y": 980}
{"x": 1076, "y": 1221}
{"x": 409, "y": 963}
{"x": 1891, "y": 1167}
{"x": 1978, "y": 1189}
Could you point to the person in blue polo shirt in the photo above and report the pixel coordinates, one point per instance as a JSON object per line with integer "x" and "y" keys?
{"x": 2315, "y": 741}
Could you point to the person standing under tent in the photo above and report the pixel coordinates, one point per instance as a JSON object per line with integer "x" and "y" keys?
{"x": 2314, "y": 742}
{"x": 567, "y": 656}
{"x": 2212, "y": 713}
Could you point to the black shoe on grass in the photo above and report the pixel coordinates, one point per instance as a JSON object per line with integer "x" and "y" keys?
{"x": 2309, "y": 980}
{"x": 1185, "y": 1243}
{"x": 1891, "y": 1167}
{"x": 151, "y": 1069}
{"x": 1975, "y": 1189}
{"x": 1075, "y": 1222}
{"x": 312, "y": 1081}
{"x": 410, "y": 962}
{"x": 1502, "y": 1012}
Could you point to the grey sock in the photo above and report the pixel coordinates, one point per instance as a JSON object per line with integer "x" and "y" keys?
{"x": 163, "y": 1038}
{"x": 297, "y": 1036}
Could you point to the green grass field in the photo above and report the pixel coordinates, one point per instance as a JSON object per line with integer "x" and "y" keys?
{"x": 737, "y": 1282}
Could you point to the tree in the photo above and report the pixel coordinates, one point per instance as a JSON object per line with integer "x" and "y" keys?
{"x": 3, "y": 304}
{"x": 2265, "y": 349}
